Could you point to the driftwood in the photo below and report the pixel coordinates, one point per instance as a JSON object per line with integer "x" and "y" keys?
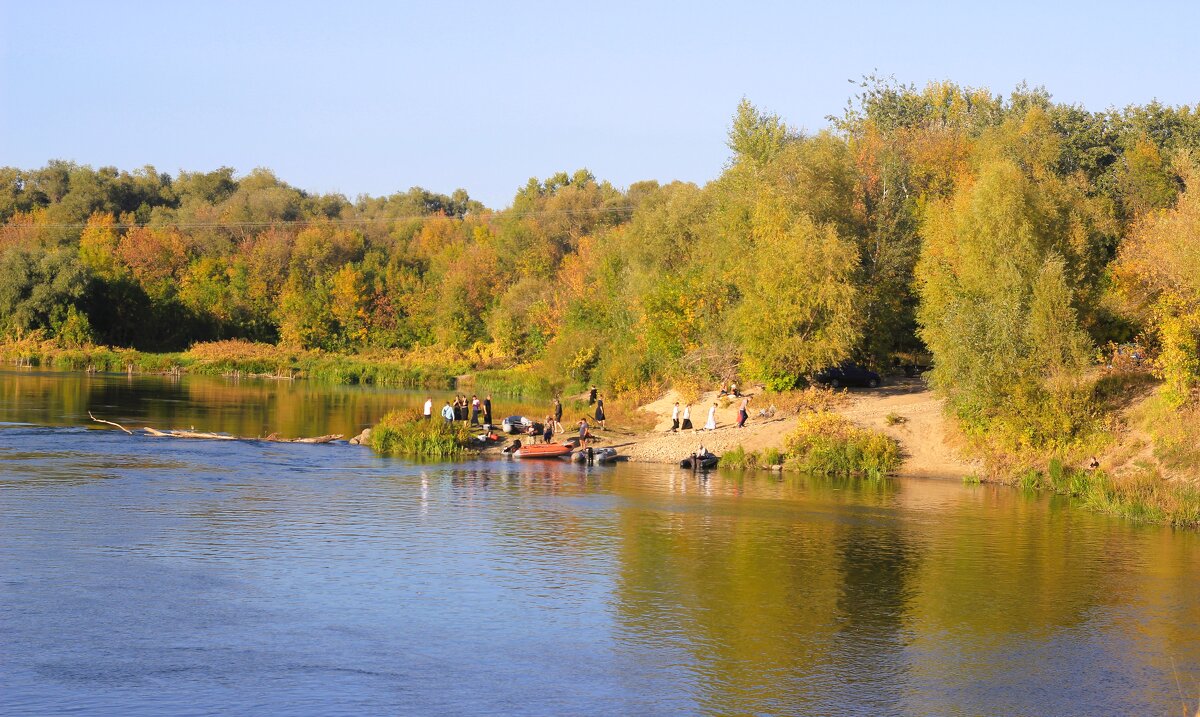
{"x": 206, "y": 436}
{"x": 100, "y": 420}
{"x": 273, "y": 438}
{"x": 189, "y": 434}
{"x": 328, "y": 438}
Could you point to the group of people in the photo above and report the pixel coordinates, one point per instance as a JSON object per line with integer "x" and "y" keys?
{"x": 479, "y": 412}
{"x": 474, "y": 411}
{"x": 553, "y": 422}
{"x": 683, "y": 421}
{"x": 548, "y": 430}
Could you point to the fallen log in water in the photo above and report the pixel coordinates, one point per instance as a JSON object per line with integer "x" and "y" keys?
{"x": 207, "y": 436}
{"x": 191, "y": 434}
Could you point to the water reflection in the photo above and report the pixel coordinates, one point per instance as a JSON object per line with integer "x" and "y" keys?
{"x": 244, "y": 407}
{"x": 320, "y": 579}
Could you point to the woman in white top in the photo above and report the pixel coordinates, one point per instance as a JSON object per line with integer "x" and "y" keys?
{"x": 675, "y": 417}
{"x": 687, "y": 418}
{"x": 712, "y": 419}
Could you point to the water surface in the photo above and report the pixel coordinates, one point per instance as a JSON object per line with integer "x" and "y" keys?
{"x": 144, "y": 576}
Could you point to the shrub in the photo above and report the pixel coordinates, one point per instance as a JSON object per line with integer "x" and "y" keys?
{"x": 740, "y": 458}
{"x": 829, "y": 444}
{"x": 772, "y": 457}
{"x": 408, "y": 433}
{"x": 734, "y": 458}
{"x": 895, "y": 419}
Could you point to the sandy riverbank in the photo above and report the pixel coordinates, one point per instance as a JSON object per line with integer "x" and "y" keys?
{"x": 921, "y": 430}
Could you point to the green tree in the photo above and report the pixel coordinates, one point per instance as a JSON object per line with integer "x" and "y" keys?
{"x": 998, "y": 306}
{"x": 798, "y": 311}
{"x": 38, "y": 288}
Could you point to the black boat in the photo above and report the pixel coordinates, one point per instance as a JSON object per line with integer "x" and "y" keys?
{"x": 705, "y": 462}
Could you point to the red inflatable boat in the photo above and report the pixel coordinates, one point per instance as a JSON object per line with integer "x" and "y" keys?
{"x": 544, "y": 450}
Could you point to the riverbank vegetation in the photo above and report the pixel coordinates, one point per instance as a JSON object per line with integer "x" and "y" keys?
{"x": 829, "y": 444}
{"x": 1023, "y": 243}
{"x": 407, "y": 433}
{"x": 243, "y": 358}
{"x": 824, "y": 443}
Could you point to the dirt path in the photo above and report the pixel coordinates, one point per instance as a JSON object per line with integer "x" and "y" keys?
{"x": 920, "y": 429}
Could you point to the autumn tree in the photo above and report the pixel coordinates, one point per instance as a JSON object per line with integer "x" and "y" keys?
{"x": 1158, "y": 276}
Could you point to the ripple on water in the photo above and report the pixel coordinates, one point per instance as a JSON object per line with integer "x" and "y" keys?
{"x": 142, "y": 577}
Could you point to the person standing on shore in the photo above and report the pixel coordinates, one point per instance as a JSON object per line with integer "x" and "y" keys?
{"x": 428, "y": 407}
{"x": 743, "y": 412}
{"x": 600, "y": 412}
{"x": 584, "y": 434}
{"x": 591, "y": 395}
{"x": 475, "y": 406}
{"x": 487, "y": 409}
{"x": 448, "y": 413}
{"x": 558, "y": 415}
{"x": 711, "y": 424}
{"x": 675, "y": 417}
{"x": 548, "y": 432}
{"x": 687, "y": 418}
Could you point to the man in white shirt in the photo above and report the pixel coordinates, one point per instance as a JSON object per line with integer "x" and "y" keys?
{"x": 428, "y": 408}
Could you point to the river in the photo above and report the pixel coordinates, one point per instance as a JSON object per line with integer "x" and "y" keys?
{"x": 143, "y": 576}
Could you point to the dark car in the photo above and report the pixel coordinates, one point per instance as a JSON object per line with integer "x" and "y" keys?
{"x": 847, "y": 373}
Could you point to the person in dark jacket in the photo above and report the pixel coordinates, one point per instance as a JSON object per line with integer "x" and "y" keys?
{"x": 600, "y": 412}
{"x": 487, "y": 410}
{"x": 591, "y": 395}
{"x": 557, "y": 415}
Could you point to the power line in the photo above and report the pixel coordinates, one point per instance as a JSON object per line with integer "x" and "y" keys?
{"x": 264, "y": 224}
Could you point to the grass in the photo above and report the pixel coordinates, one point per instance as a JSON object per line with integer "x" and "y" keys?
{"x": 814, "y": 399}
{"x": 825, "y": 444}
{"x": 740, "y": 458}
{"x": 894, "y": 419}
{"x": 1142, "y": 495}
{"x": 829, "y": 444}
{"x": 772, "y": 457}
{"x": 407, "y": 433}
{"x": 1160, "y": 489}
{"x": 1174, "y": 434}
{"x": 519, "y": 383}
{"x": 224, "y": 358}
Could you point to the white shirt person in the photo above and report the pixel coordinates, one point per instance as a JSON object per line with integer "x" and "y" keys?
{"x": 712, "y": 419}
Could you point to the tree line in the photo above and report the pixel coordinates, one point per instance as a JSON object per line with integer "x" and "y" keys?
{"x": 1008, "y": 236}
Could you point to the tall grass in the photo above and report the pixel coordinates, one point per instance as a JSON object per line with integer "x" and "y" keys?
{"x": 1143, "y": 495}
{"x": 234, "y": 357}
{"x": 408, "y": 433}
{"x": 518, "y": 383}
{"x": 740, "y": 458}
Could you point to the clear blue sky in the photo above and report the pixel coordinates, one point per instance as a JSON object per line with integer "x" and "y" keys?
{"x": 375, "y": 97}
